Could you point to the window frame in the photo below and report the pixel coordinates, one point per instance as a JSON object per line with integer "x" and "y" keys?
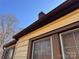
{"x": 61, "y": 40}
{"x": 6, "y": 49}
{"x": 50, "y": 33}
{"x": 50, "y": 38}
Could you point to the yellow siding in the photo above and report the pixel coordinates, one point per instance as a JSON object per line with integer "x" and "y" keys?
{"x": 20, "y": 51}
{"x": 22, "y": 44}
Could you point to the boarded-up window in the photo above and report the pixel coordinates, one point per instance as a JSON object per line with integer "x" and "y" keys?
{"x": 70, "y": 41}
{"x": 41, "y": 49}
{"x": 8, "y": 53}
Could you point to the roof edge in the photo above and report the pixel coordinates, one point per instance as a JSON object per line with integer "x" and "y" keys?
{"x": 63, "y": 9}
{"x": 10, "y": 43}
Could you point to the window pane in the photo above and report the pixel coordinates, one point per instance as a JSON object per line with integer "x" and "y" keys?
{"x": 42, "y": 49}
{"x": 68, "y": 40}
{"x": 8, "y": 53}
{"x": 70, "y": 44}
{"x": 5, "y": 54}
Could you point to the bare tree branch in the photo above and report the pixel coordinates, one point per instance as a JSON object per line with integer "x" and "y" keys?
{"x": 8, "y": 25}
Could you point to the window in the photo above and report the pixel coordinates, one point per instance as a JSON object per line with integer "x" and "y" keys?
{"x": 70, "y": 44}
{"x": 41, "y": 49}
{"x": 8, "y": 53}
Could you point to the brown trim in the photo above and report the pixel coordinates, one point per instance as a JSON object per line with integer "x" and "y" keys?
{"x": 29, "y": 52}
{"x": 65, "y": 8}
{"x": 56, "y": 31}
{"x": 29, "y": 49}
{"x": 56, "y": 46}
{"x": 10, "y": 43}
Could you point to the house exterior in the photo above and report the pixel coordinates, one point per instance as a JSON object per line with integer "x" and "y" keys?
{"x": 53, "y": 36}
{"x": 8, "y": 50}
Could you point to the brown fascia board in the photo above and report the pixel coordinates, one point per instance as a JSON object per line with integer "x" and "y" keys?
{"x": 60, "y": 11}
{"x": 10, "y": 43}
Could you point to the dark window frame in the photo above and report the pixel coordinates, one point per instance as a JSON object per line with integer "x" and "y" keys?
{"x": 44, "y": 38}
{"x": 54, "y": 32}
{"x": 30, "y": 46}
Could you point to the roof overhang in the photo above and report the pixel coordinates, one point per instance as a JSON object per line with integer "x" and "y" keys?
{"x": 10, "y": 43}
{"x": 63, "y": 9}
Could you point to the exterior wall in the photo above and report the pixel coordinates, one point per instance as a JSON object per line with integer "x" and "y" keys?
{"x": 20, "y": 50}
{"x": 22, "y": 44}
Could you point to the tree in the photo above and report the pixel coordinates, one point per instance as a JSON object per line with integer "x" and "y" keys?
{"x": 8, "y": 26}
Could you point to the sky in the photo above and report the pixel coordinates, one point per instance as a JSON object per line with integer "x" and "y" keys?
{"x": 26, "y": 11}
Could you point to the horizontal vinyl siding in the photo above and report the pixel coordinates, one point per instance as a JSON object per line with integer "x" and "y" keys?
{"x": 20, "y": 57}
{"x": 20, "y": 51}
{"x": 22, "y": 44}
